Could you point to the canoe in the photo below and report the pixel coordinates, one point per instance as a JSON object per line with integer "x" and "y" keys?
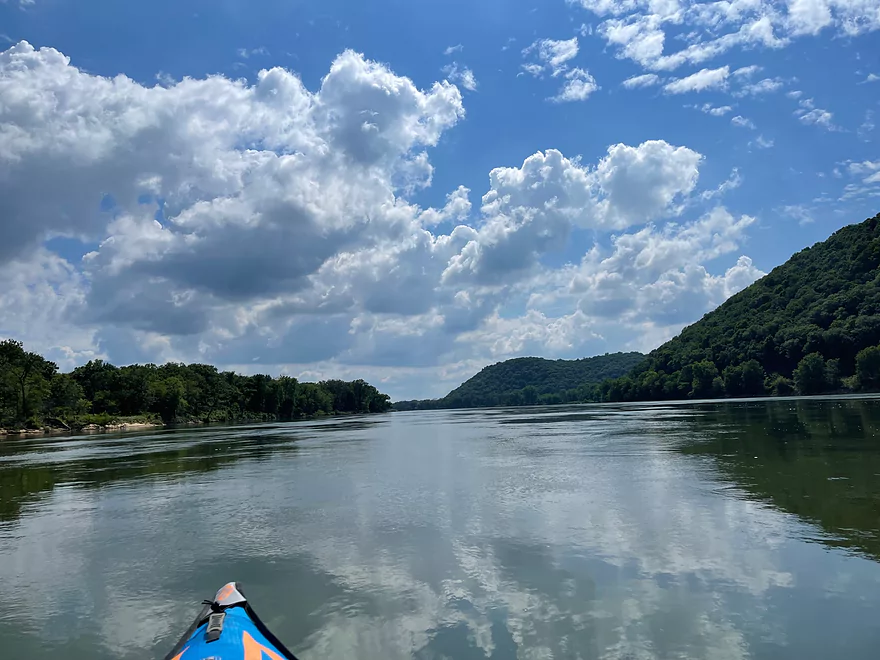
{"x": 228, "y": 628}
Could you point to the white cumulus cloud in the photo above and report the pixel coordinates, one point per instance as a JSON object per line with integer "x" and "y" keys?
{"x": 700, "y": 81}
{"x": 552, "y": 55}
{"x": 808, "y": 114}
{"x": 742, "y": 122}
{"x": 715, "y": 111}
{"x": 578, "y": 86}
{"x": 746, "y": 71}
{"x": 655, "y": 274}
{"x": 461, "y": 76}
{"x": 644, "y": 80}
{"x": 765, "y": 86}
{"x": 637, "y": 29}
{"x": 532, "y": 210}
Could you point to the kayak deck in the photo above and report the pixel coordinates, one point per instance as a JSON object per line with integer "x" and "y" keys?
{"x": 228, "y": 628}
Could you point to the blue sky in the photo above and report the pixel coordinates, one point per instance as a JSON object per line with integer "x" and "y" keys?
{"x": 410, "y": 191}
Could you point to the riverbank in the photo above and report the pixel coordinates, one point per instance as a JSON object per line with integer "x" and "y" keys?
{"x": 88, "y": 428}
{"x": 121, "y": 425}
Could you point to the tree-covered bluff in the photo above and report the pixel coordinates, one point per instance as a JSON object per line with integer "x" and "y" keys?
{"x": 33, "y": 394}
{"x": 531, "y": 380}
{"x": 812, "y": 325}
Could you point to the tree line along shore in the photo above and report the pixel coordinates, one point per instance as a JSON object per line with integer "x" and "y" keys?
{"x": 36, "y": 397}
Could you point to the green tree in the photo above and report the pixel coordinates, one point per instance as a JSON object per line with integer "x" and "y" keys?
{"x": 832, "y": 374}
{"x": 378, "y": 402}
{"x": 311, "y": 399}
{"x": 343, "y": 394}
{"x": 620, "y": 389}
{"x": 100, "y": 383}
{"x": 132, "y": 384}
{"x": 286, "y": 397}
{"x": 868, "y": 367}
{"x": 66, "y": 399}
{"x": 809, "y": 377}
{"x": 32, "y": 392}
{"x": 704, "y": 374}
{"x": 514, "y": 398}
{"x": 733, "y": 380}
{"x": 169, "y": 395}
{"x": 752, "y": 378}
{"x": 781, "y": 386}
{"x": 26, "y": 379}
{"x": 650, "y": 384}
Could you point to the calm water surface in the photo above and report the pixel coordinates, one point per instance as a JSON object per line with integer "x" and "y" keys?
{"x": 721, "y": 530}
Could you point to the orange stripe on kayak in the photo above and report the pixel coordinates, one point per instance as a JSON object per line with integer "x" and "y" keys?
{"x": 253, "y": 650}
{"x": 180, "y": 655}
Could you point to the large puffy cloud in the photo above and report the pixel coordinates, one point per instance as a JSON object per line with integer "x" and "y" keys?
{"x": 265, "y": 224}
{"x": 637, "y": 294}
{"x": 642, "y": 183}
{"x": 653, "y": 281}
{"x": 531, "y": 210}
{"x": 220, "y": 153}
{"x": 650, "y": 252}
{"x": 260, "y": 184}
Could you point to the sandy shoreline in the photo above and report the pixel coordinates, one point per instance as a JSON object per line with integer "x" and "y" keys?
{"x": 90, "y": 428}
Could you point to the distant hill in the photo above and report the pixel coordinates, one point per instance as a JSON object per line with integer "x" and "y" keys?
{"x": 531, "y": 380}
{"x": 812, "y": 325}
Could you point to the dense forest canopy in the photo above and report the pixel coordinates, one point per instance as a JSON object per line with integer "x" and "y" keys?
{"x": 34, "y": 394}
{"x": 532, "y": 380}
{"x": 810, "y": 326}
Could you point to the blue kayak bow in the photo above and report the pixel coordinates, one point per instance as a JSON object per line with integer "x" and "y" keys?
{"x": 228, "y": 628}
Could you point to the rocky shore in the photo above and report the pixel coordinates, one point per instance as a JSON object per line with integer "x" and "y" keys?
{"x": 89, "y": 428}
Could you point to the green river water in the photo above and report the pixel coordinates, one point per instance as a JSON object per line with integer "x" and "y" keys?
{"x": 747, "y": 529}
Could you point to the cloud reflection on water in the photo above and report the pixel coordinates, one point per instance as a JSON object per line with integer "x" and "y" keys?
{"x": 460, "y": 535}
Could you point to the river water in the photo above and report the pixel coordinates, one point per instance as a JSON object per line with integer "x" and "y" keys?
{"x": 746, "y": 529}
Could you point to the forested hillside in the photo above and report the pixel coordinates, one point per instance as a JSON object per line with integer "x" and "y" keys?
{"x": 810, "y": 326}
{"x": 34, "y": 394}
{"x": 531, "y": 380}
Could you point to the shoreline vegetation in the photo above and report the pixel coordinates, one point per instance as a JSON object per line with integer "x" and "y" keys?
{"x": 36, "y": 399}
{"x": 116, "y": 426}
{"x": 529, "y": 381}
{"x": 810, "y": 326}
{"x": 121, "y": 425}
